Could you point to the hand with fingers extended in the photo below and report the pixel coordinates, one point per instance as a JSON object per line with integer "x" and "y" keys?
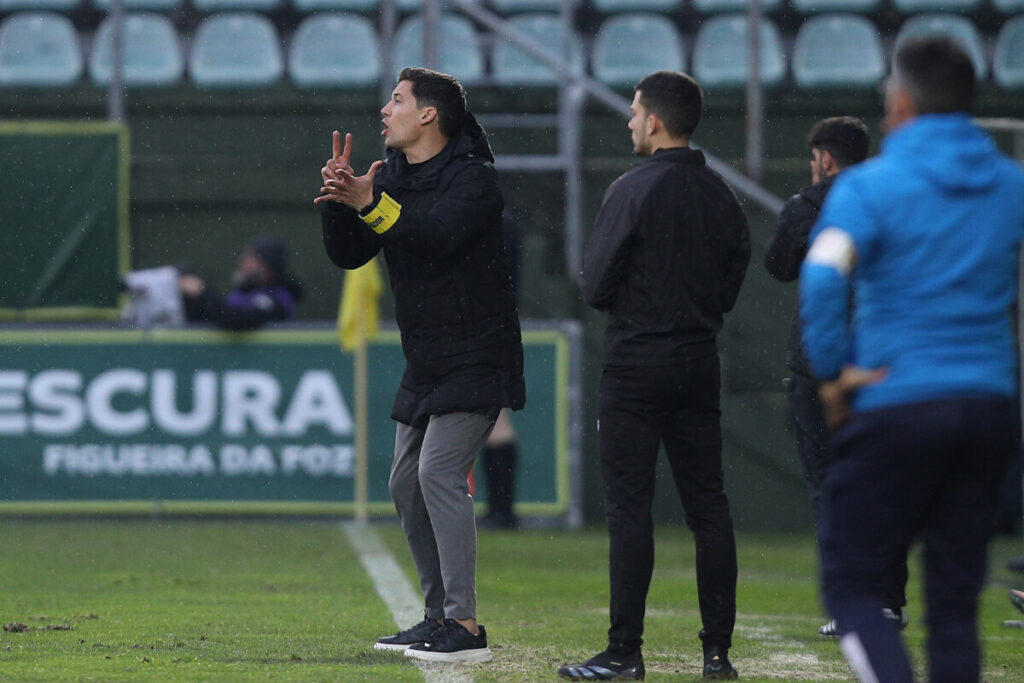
{"x": 836, "y": 394}
{"x": 340, "y": 184}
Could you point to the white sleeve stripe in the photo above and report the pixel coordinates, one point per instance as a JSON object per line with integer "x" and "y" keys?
{"x": 834, "y": 248}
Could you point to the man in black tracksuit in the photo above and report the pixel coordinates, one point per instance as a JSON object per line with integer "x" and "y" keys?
{"x": 836, "y": 143}
{"x": 435, "y": 211}
{"x": 666, "y": 259}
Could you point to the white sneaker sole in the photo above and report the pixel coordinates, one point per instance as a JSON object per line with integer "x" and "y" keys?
{"x": 391, "y": 647}
{"x": 460, "y": 657}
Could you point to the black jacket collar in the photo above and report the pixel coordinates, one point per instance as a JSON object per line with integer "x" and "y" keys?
{"x": 679, "y": 155}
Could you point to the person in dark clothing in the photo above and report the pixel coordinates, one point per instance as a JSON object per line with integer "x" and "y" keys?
{"x": 501, "y": 452}
{"x": 836, "y": 143}
{"x": 666, "y": 259}
{"x": 264, "y": 291}
{"x": 434, "y": 209}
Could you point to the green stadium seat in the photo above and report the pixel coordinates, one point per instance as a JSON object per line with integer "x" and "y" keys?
{"x": 141, "y": 5}
{"x": 236, "y": 5}
{"x": 721, "y": 6}
{"x": 1008, "y": 62}
{"x": 512, "y": 66}
{"x": 720, "y": 53}
{"x": 612, "y": 6}
{"x": 918, "y": 6}
{"x": 335, "y": 5}
{"x": 39, "y": 49}
{"x": 38, "y": 5}
{"x": 630, "y": 46}
{"x": 512, "y": 6}
{"x": 838, "y": 51}
{"x": 823, "y": 6}
{"x": 334, "y": 49}
{"x": 1008, "y": 7}
{"x": 959, "y": 28}
{"x": 459, "y": 51}
{"x": 235, "y": 49}
{"x": 152, "y": 53}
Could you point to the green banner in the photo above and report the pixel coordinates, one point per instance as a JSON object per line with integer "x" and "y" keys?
{"x": 197, "y": 420}
{"x": 64, "y": 193}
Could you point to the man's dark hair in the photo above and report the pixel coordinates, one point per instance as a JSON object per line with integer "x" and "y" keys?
{"x": 937, "y": 73}
{"x": 435, "y": 89}
{"x": 844, "y": 137}
{"x": 673, "y": 97}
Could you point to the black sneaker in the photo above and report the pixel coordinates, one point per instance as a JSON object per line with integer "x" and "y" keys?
{"x": 717, "y": 666}
{"x": 606, "y": 666}
{"x": 419, "y": 633}
{"x": 453, "y": 643}
{"x": 897, "y": 614}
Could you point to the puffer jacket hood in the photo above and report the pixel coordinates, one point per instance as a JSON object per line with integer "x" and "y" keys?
{"x": 949, "y": 151}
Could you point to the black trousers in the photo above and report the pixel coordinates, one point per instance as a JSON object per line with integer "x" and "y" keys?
{"x": 812, "y": 444}
{"x": 926, "y": 471}
{"x": 640, "y": 409}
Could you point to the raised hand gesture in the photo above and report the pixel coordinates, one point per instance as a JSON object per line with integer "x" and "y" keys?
{"x": 340, "y": 182}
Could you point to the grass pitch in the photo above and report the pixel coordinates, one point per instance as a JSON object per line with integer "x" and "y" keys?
{"x": 178, "y": 600}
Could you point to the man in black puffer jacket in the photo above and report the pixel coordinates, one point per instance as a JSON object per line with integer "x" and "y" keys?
{"x": 435, "y": 210}
{"x": 835, "y": 143}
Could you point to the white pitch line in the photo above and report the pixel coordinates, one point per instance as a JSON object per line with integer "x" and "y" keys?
{"x": 403, "y": 601}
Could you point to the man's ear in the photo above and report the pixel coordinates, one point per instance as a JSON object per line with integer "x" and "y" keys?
{"x": 428, "y": 115}
{"x": 653, "y": 124}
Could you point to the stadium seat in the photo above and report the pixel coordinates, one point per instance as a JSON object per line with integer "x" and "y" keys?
{"x": 918, "y": 6}
{"x": 335, "y": 5}
{"x": 511, "y": 6}
{"x": 152, "y": 53}
{"x": 837, "y": 51}
{"x": 235, "y": 49}
{"x": 611, "y": 6}
{"x": 141, "y": 5}
{"x": 720, "y": 53}
{"x": 630, "y": 46}
{"x": 334, "y": 49}
{"x": 512, "y": 66}
{"x": 1008, "y": 7}
{"x": 720, "y": 6}
{"x": 39, "y": 49}
{"x": 236, "y": 5}
{"x": 417, "y": 5}
{"x": 954, "y": 26}
{"x": 1008, "y": 62}
{"x": 823, "y": 6}
{"x": 38, "y": 5}
{"x": 459, "y": 52}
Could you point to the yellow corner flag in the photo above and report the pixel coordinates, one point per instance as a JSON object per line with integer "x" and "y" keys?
{"x": 358, "y": 313}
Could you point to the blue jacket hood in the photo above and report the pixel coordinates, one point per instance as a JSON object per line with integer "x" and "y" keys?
{"x": 949, "y": 150}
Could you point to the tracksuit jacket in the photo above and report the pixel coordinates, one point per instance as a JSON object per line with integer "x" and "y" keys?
{"x": 439, "y": 226}
{"x": 666, "y": 259}
{"x": 929, "y": 233}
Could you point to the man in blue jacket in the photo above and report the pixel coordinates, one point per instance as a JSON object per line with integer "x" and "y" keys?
{"x": 920, "y": 383}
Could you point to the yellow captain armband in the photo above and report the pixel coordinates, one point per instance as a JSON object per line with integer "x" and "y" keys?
{"x": 384, "y": 215}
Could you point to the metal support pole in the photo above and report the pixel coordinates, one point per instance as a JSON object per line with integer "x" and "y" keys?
{"x": 431, "y": 29}
{"x": 115, "y": 88}
{"x": 755, "y": 94}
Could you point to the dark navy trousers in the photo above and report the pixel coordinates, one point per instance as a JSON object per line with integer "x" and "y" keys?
{"x": 812, "y": 444}
{"x": 926, "y": 471}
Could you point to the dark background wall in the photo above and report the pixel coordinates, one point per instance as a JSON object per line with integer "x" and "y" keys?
{"x": 212, "y": 170}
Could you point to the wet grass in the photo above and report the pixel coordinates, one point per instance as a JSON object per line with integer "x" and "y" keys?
{"x": 237, "y": 601}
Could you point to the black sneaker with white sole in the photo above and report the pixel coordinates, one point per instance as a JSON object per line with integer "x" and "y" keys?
{"x": 606, "y": 666}
{"x": 420, "y": 633}
{"x": 452, "y": 643}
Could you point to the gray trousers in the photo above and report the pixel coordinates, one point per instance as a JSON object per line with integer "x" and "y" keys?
{"x": 428, "y": 485}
